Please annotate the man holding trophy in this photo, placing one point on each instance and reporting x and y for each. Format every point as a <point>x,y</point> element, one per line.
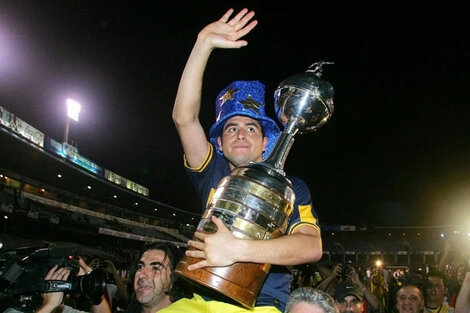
<point>242,134</point>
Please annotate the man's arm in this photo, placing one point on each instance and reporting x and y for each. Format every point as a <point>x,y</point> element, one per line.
<point>223,33</point>
<point>334,275</point>
<point>445,257</point>
<point>372,299</point>
<point>103,306</point>
<point>462,304</point>
<point>304,245</point>
<point>121,288</point>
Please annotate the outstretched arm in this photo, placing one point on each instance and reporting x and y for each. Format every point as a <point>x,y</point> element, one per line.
<point>334,275</point>
<point>372,299</point>
<point>462,304</point>
<point>445,257</point>
<point>224,33</point>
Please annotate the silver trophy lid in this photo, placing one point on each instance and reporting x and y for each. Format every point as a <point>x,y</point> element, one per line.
<point>304,102</point>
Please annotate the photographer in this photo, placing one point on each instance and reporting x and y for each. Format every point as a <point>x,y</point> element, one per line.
<point>373,304</point>
<point>116,291</point>
<point>454,263</point>
<point>330,282</point>
<point>347,273</point>
<point>52,302</point>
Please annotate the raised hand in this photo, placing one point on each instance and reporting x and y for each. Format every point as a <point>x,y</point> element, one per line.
<point>354,277</point>
<point>226,32</point>
<point>52,300</point>
<point>337,270</point>
<point>84,268</point>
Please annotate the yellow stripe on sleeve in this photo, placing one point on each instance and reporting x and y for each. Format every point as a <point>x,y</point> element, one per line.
<point>298,224</point>
<point>204,163</point>
<point>306,218</point>
<point>306,214</point>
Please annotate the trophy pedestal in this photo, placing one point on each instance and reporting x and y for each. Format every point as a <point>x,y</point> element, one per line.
<point>239,281</point>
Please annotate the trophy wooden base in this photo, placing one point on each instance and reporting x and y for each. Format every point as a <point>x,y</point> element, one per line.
<point>239,281</point>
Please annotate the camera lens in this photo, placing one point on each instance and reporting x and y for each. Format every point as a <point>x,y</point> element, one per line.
<point>92,285</point>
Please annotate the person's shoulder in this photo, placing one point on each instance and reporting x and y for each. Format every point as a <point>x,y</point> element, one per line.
<point>301,190</point>
<point>448,309</point>
<point>296,181</point>
<point>213,162</point>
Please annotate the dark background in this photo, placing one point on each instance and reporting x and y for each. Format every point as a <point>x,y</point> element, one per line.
<point>394,153</point>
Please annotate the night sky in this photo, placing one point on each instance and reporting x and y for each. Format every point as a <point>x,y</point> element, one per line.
<point>396,151</point>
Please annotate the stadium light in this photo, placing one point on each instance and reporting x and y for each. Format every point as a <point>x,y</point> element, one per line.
<point>73,111</point>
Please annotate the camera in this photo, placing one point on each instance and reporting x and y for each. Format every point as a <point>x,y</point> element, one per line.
<point>22,273</point>
<point>98,263</point>
<point>346,269</point>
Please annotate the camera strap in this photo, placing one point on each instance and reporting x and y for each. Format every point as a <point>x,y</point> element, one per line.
<point>48,286</point>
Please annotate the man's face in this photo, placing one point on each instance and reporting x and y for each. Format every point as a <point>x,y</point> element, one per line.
<point>152,278</point>
<point>436,293</point>
<point>350,304</point>
<point>410,300</point>
<point>242,141</point>
<point>303,307</point>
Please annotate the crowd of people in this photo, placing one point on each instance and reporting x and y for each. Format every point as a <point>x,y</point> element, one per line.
<point>243,133</point>
<point>153,286</point>
<point>381,290</point>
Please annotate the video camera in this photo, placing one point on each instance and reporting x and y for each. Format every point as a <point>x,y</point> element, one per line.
<point>22,277</point>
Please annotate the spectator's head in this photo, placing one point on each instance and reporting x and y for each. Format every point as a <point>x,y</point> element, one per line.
<point>154,276</point>
<point>309,300</point>
<point>436,288</point>
<point>410,299</point>
<point>349,297</point>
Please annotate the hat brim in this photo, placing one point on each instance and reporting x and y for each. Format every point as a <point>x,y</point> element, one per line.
<point>341,296</point>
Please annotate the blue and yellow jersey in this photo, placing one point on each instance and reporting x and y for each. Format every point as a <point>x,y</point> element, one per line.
<point>206,178</point>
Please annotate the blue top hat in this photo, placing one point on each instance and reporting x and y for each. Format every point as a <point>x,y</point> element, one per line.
<point>244,98</point>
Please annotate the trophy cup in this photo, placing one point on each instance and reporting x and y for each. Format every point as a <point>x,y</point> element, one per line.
<point>255,200</point>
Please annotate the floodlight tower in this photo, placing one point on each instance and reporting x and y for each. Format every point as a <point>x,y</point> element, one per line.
<point>73,111</point>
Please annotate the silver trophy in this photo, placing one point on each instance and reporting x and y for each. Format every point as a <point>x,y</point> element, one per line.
<point>256,199</point>
<point>303,103</point>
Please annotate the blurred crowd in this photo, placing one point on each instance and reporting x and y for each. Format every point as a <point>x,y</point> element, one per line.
<point>442,288</point>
